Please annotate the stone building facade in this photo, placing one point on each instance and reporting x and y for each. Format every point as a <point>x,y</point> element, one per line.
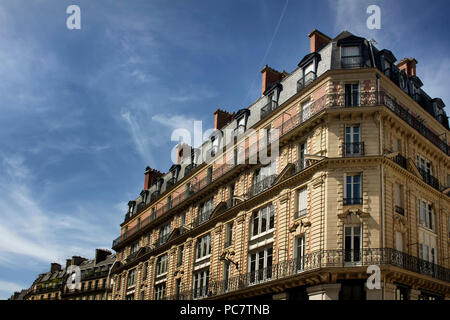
<point>361,179</point>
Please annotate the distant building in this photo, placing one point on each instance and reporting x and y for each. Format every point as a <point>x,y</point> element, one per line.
<point>362,178</point>
<point>19,295</point>
<point>93,283</point>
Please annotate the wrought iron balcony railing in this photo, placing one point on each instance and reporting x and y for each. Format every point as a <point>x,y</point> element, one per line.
<point>315,261</point>
<point>268,108</point>
<point>306,80</point>
<point>353,149</point>
<point>352,201</point>
<point>351,62</point>
<point>260,186</point>
<point>429,179</point>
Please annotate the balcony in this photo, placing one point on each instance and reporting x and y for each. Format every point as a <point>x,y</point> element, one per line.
<point>268,108</point>
<point>429,179</point>
<point>189,168</point>
<point>400,210</point>
<point>314,262</point>
<point>353,149</point>
<point>171,182</point>
<point>352,201</point>
<point>351,62</point>
<point>306,80</point>
<point>260,186</point>
<point>154,196</point>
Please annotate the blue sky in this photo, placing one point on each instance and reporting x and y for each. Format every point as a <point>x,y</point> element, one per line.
<point>83,112</point>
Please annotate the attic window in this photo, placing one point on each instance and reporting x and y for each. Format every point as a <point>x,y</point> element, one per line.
<point>350,57</point>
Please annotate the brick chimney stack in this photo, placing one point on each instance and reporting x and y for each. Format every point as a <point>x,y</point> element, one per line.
<point>317,40</point>
<point>55,267</point>
<point>409,65</point>
<point>101,255</point>
<point>151,175</point>
<point>68,263</point>
<point>269,77</point>
<point>221,118</point>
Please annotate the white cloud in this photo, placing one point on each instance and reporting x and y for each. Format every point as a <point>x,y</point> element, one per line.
<point>7,288</point>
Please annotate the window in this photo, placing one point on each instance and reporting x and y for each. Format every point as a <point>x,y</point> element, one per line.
<point>204,211</point>
<point>352,243</point>
<point>260,265</point>
<point>134,248</point>
<point>352,95</point>
<point>306,111</point>
<point>209,174</point>
<point>161,265</point>
<point>169,202</point>
<point>160,291</point>
<point>399,241</point>
<point>424,165</point>
<point>183,219</point>
<point>164,233</point>
<point>302,202</point>
<point>203,248</point>
<point>228,234</point>
<point>130,297</point>
<point>142,295</point>
<point>231,191</point>
<point>180,256</point>
<point>427,247</point>
<point>352,141</point>
<point>300,252</point>
<point>119,281</point>
<point>353,189</point>
<point>226,274</point>
<point>426,214</point>
<point>351,57</point>
<point>301,162</point>
<point>214,145</point>
<point>398,199</point>
<point>145,271</point>
<point>263,220</point>
<point>177,288</point>
<point>131,278</point>
<point>200,285</point>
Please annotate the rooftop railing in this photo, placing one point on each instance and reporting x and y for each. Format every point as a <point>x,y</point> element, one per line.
<point>268,108</point>
<point>306,80</point>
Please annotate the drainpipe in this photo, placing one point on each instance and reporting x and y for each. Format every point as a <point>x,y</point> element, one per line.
<point>382,189</point>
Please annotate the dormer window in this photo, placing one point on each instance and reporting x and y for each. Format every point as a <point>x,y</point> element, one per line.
<point>131,206</point>
<point>351,57</point>
<point>214,145</point>
<point>241,121</point>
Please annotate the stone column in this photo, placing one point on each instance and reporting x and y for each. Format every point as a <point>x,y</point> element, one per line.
<point>328,291</point>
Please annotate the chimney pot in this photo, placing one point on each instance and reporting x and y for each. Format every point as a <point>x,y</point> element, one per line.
<point>269,77</point>
<point>409,65</point>
<point>221,118</point>
<point>317,40</point>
